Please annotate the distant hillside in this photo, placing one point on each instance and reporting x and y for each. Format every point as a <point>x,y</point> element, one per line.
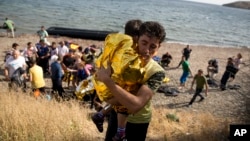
<point>239,4</point>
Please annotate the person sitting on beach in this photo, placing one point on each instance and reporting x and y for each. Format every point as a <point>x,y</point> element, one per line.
<point>9,26</point>
<point>212,68</point>
<point>43,35</point>
<point>166,59</point>
<point>200,80</point>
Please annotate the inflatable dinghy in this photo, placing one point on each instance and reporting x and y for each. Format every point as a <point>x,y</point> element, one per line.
<point>79,33</point>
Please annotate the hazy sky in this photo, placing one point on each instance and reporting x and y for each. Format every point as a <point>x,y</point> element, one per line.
<point>218,2</point>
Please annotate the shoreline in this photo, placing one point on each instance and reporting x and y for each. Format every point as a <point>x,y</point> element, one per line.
<point>208,45</point>
<point>167,40</point>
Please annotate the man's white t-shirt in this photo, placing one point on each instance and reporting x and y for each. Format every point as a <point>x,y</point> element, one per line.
<point>63,51</point>
<point>13,64</point>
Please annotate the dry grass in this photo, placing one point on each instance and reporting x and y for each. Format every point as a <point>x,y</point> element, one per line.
<point>193,126</point>
<point>24,118</point>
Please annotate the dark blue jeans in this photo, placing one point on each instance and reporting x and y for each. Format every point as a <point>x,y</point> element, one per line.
<point>57,86</point>
<point>112,126</point>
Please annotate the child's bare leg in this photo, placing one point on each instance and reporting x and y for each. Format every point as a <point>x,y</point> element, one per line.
<point>122,121</point>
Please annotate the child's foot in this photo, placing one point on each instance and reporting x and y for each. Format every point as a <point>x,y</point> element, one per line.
<point>118,138</point>
<point>98,120</point>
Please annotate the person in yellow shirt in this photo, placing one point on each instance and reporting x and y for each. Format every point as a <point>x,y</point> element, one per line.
<point>36,77</point>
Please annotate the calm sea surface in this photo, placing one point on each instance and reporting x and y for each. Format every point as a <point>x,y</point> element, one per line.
<point>185,22</point>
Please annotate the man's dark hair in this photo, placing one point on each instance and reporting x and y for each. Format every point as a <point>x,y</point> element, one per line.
<point>132,27</point>
<point>53,43</point>
<point>153,29</point>
<point>14,45</point>
<point>29,43</point>
<point>80,48</point>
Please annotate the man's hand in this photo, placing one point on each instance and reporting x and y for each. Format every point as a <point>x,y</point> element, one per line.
<point>103,74</point>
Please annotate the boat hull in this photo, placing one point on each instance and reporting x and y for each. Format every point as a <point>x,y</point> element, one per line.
<point>79,33</point>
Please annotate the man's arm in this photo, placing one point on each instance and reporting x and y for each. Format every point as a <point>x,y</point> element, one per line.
<point>206,85</point>
<point>133,103</point>
<point>6,73</point>
<point>46,34</point>
<point>192,83</point>
<point>190,71</point>
<point>30,77</point>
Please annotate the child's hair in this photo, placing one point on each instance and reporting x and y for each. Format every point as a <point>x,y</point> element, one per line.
<point>153,29</point>
<point>132,27</point>
<point>32,60</point>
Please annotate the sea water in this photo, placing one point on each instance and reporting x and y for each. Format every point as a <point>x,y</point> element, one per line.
<point>185,22</point>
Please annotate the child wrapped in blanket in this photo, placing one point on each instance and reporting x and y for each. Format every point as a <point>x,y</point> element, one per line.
<point>120,51</point>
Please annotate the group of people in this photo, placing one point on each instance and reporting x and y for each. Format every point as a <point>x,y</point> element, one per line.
<point>56,61</point>
<point>200,79</point>
<point>143,39</point>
